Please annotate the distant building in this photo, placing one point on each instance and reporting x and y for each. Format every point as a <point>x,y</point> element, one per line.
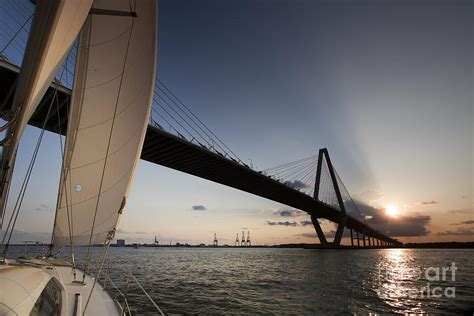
<point>120,242</point>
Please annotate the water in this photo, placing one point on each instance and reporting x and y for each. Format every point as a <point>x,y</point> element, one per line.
<point>296,281</point>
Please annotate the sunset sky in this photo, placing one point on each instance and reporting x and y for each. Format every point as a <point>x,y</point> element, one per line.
<point>386,86</point>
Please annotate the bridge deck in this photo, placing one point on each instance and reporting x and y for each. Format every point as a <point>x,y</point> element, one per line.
<point>171,151</point>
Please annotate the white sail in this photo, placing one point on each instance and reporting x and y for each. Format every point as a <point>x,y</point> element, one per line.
<point>110,106</point>
<point>55,26</point>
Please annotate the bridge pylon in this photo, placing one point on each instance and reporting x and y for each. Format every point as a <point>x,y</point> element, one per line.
<point>323,158</point>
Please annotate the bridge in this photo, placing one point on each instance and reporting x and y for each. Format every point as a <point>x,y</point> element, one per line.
<point>193,157</point>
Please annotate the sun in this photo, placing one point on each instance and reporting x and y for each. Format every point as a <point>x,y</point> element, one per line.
<point>391,210</point>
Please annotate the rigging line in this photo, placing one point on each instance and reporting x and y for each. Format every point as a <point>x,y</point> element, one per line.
<point>28,174</point>
<point>26,180</point>
<point>109,237</point>
<point>108,144</point>
<point>149,297</point>
<point>210,131</point>
<point>63,184</point>
<point>15,148</point>
<point>106,247</point>
<point>187,115</point>
<point>186,121</point>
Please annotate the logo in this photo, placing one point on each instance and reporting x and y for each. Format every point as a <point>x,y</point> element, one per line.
<point>430,282</point>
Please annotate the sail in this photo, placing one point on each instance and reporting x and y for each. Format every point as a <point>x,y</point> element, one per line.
<point>55,26</point>
<point>110,107</point>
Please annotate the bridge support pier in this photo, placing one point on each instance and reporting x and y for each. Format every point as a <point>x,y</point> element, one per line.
<point>352,239</point>
<point>363,239</point>
<point>358,241</point>
<point>319,230</point>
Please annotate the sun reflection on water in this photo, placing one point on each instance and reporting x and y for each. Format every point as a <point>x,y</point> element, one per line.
<point>397,277</point>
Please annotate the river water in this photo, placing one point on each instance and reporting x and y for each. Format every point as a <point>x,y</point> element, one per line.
<point>297,281</point>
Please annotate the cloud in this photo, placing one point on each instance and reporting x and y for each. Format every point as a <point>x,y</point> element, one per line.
<point>458,232</point>
<point>464,223</point>
<point>287,223</point>
<point>296,184</point>
<point>306,223</point>
<point>462,211</point>
<point>426,202</point>
<point>199,208</point>
<point>289,213</point>
<point>408,225</point>
<point>369,196</point>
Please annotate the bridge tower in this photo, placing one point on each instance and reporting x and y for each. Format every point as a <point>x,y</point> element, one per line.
<point>237,240</point>
<point>324,157</point>
<point>243,239</point>
<point>215,244</point>
<point>249,243</point>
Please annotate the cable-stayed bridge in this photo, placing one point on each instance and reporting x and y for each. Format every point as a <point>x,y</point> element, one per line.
<point>311,184</point>
<point>178,139</point>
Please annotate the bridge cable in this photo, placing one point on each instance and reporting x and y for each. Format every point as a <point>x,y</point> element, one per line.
<point>169,106</point>
<point>210,131</point>
<point>19,30</point>
<point>197,125</point>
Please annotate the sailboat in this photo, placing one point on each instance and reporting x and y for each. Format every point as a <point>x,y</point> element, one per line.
<point>108,115</point>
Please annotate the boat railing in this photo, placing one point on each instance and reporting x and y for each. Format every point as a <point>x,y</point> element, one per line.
<point>121,296</point>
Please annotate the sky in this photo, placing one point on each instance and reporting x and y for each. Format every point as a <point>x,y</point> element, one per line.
<point>385,85</point>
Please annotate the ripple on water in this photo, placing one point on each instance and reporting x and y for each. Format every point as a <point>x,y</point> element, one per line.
<point>290,281</point>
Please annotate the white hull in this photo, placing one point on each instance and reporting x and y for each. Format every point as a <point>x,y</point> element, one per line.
<point>23,282</point>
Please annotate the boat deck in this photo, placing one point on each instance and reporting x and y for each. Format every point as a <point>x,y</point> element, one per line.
<point>101,303</point>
